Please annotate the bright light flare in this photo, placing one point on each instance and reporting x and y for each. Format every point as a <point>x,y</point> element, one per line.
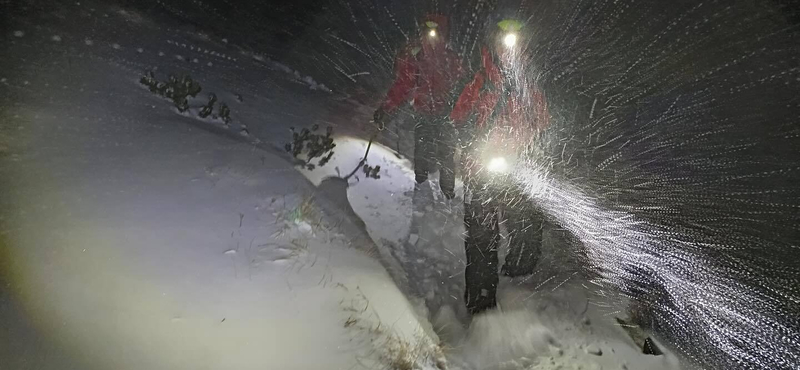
<point>497,165</point>
<point>432,33</point>
<point>691,295</point>
<point>510,40</point>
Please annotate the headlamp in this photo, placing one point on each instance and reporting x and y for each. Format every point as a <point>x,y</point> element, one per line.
<point>510,40</point>
<point>431,25</point>
<point>511,27</point>
<point>497,165</point>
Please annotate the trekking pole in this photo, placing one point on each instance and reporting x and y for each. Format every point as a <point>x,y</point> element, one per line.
<point>364,160</point>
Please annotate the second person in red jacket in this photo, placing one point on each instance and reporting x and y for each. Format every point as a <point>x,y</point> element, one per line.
<point>501,112</point>
<point>426,75</point>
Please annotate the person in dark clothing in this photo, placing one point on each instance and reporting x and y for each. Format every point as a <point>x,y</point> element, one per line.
<point>426,74</point>
<point>498,113</point>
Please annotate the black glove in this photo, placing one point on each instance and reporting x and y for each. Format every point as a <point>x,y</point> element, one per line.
<point>379,118</point>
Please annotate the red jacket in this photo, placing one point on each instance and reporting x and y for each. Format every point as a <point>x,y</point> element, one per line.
<point>523,110</point>
<point>427,77</point>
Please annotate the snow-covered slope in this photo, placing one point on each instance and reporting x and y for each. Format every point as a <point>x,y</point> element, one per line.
<point>547,321</point>
<point>174,248</point>
<point>139,238</point>
<point>135,240</point>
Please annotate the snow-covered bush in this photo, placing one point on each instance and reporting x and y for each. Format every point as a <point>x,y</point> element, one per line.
<point>176,89</point>
<point>179,90</point>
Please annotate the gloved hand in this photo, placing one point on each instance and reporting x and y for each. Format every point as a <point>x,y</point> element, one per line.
<point>380,119</point>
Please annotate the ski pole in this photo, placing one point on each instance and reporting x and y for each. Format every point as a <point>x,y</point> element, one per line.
<point>363,160</point>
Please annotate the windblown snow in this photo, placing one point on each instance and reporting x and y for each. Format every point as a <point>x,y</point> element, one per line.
<point>134,236</point>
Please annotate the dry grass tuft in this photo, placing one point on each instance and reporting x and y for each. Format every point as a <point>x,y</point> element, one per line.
<point>394,351</point>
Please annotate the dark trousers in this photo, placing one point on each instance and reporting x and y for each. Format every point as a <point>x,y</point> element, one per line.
<point>482,218</point>
<point>434,147</point>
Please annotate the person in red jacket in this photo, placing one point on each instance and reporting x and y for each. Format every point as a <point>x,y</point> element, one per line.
<point>501,113</point>
<point>426,74</point>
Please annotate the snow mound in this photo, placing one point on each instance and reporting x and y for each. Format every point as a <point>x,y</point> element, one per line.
<point>181,250</point>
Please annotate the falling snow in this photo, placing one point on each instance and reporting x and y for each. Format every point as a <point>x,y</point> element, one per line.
<point>671,164</point>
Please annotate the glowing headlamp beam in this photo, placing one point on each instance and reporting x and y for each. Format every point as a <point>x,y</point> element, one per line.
<point>510,40</point>
<point>497,165</point>
<point>432,33</point>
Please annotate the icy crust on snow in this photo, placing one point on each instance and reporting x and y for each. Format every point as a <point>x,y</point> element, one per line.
<point>383,203</point>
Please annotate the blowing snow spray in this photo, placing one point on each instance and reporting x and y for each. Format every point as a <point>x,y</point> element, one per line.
<point>699,305</point>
